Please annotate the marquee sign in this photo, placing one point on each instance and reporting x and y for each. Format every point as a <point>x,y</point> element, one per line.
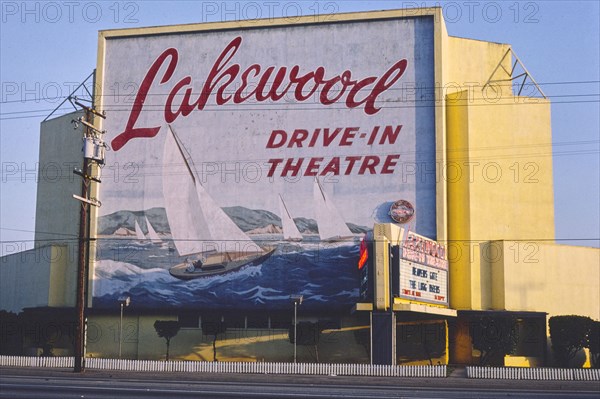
<point>423,270</point>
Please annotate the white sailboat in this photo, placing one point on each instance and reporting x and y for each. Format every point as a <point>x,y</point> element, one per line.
<point>139,234</point>
<point>152,235</point>
<point>330,222</point>
<point>200,229</point>
<point>290,230</point>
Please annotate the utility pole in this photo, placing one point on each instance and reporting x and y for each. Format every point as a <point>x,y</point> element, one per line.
<point>93,154</point>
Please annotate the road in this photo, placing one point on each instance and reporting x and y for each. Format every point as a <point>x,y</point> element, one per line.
<point>15,385</point>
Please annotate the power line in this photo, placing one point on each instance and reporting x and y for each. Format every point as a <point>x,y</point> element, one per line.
<point>145,170</point>
<point>271,82</point>
<point>328,108</point>
<point>127,108</point>
<point>39,232</point>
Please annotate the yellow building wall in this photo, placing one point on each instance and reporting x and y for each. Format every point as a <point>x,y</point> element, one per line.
<point>459,225</point>
<point>467,66</point>
<point>499,185</point>
<point>470,63</point>
<point>501,202</point>
<point>546,277</point>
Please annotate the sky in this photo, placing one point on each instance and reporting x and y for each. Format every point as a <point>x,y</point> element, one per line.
<point>48,47</point>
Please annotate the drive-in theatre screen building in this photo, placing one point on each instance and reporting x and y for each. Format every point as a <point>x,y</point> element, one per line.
<point>363,179</point>
<point>250,162</point>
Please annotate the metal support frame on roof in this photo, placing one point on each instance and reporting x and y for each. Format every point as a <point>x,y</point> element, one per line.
<point>71,98</point>
<point>510,74</point>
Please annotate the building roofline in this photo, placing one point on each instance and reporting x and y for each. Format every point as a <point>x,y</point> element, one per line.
<point>479,40</point>
<point>274,22</point>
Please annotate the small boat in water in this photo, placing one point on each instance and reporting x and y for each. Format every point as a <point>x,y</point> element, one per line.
<point>152,234</point>
<point>139,234</point>
<point>218,263</point>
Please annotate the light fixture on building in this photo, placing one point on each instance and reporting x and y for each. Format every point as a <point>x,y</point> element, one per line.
<point>297,299</point>
<point>123,301</point>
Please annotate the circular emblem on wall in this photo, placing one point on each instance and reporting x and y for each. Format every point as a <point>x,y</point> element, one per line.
<point>402,211</point>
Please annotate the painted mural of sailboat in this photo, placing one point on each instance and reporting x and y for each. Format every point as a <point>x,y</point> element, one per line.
<point>330,222</point>
<point>139,234</point>
<point>152,235</point>
<point>200,229</point>
<point>290,230</point>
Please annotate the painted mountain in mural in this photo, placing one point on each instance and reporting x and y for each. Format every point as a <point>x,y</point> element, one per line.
<point>248,220</point>
<point>118,223</point>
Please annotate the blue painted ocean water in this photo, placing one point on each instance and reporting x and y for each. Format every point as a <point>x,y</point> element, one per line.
<point>324,273</point>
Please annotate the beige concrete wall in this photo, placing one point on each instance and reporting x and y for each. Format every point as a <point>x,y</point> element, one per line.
<point>25,279</point>
<point>57,212</point>
<point>47,275</point>
<point>59,265</point>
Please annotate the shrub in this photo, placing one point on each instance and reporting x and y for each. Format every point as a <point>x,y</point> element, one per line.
<point>11,331</point>
<point>569,334</point>
<point>167,329</point>
<point>495,337</point>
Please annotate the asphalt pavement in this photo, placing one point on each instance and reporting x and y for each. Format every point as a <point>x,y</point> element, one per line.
<point>457,379</point>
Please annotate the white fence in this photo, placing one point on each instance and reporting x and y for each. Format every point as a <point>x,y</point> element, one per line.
<point>230,367</point>
<point>524,373</point>
<point>511,373</point>
<point>29,361</point>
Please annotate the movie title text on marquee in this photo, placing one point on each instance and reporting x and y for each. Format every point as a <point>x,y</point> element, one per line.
<point>423,283</point>
<point>423,270</point>
<point>422,250</point>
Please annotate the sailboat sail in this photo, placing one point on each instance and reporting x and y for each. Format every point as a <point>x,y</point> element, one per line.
<point>139,234</point>
<point>151,232</point>
<point>330,222</point>
<point>196,221</point>
<point>290,230</point>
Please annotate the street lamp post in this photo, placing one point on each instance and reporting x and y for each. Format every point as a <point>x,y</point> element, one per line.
<point>123,301</point>
<point>297,301</point>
